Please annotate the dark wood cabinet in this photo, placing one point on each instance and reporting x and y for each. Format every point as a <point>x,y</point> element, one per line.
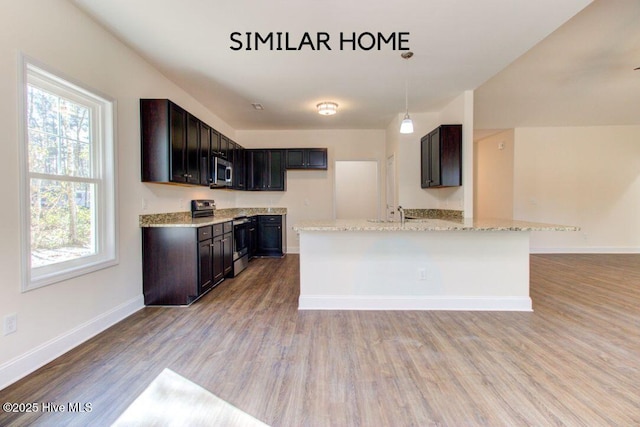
<point>266,170</point>
<point>222,250</point>
<point>180,264</point>
<point>169,148</point>
<point>204,154</point>
<point>306,158</point>
<point>253,236</point>
<point>225,146</point>
<point>441,157</point>
<point>270,235</point>
<point>239,170</point>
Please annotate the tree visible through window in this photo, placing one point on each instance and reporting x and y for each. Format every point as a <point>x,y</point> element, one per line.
<point>69,177</point>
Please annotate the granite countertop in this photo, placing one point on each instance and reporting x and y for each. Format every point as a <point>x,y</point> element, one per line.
<point>428,224</point>
<point>183,219</point>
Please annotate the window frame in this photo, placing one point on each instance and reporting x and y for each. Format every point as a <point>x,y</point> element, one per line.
<point>103,176</point>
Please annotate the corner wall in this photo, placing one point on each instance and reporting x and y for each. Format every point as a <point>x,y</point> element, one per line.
<point>54,319</point>
<point>406,149</point>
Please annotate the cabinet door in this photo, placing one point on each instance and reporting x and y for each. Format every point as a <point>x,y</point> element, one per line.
<point>205,270</point>
<point>434,159</point>
<point>253,237</point>
<point>218,259</point>
<point>276,170</point>
<point>227,253</point>
<point>257,171</point>
<point>295,159</point>
<point>239,170</point>
<point>215,142</point>
<point>177,134</point>
<point>317,158</point>
<point>424,162</point>
<point>270,235</point>
<point>205,154</point>
<point>224,147</point>
<point>192,149</point>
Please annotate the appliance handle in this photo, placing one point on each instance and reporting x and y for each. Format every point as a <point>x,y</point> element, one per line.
<point>229,174</point>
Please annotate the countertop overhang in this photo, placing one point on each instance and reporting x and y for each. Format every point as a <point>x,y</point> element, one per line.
<point>423,224</point>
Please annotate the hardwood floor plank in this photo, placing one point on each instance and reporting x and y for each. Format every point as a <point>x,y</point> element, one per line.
<point>574,361</point>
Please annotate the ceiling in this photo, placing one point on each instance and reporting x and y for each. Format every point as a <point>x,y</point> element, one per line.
<point>458,45</point>
<point>582,74</point>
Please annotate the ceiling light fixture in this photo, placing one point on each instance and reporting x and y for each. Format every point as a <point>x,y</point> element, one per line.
<point>407,123</point>
<point>327,108</point>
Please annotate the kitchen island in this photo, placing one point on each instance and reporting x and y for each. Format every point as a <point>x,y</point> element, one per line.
<point>423,264</point>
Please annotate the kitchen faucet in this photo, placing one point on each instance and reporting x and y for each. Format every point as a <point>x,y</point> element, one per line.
<point>401,210</point>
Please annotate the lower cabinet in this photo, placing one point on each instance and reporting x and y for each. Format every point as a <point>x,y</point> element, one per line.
<point>179,264</point>
<point>253,236</point>
<point>271,235</point>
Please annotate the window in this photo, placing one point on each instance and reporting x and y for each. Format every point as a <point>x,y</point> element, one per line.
<point>68,179</point>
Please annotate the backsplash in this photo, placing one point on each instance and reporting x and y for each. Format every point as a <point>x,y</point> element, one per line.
<point>434,213</point>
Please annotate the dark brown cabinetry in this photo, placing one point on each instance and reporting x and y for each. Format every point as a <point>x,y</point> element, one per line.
<point>239,170</point>
<point>441,157</point>
<point>179,264</point>
<point>266,170</point>
<point>253,236</point>
<point>169,143</point>
<point>270,235</point>
<point>306,158</point>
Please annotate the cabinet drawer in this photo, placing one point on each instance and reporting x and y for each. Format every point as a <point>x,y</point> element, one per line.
<point>218,229</point>
<point>228,227</point>
<point>204,233</point>
<point>270,218</point>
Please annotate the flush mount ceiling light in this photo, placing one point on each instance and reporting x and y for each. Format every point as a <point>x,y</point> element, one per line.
<point>407,124</point>
<point>327,108</point>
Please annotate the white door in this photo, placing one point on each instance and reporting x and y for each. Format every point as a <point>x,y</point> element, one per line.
<point>357,189</point>
<point>391,187</point>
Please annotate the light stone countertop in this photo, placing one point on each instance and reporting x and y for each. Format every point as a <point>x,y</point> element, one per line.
<point>429,225</point>
<point>183,219</point>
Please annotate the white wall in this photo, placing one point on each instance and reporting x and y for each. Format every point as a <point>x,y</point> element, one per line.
<point>493,171</point>
<point>584,176</point>
<point>55,318</point>
<point>406,148</point>
<point>310,194</point>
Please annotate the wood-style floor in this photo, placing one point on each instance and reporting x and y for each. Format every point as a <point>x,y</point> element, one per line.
<point>574,361</point>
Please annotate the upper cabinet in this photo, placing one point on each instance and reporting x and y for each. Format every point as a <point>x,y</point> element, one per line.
<point>167,153</point>
<point>177,148</point>
<point>266,170</point>
<point>238,159</point>
<point>170,139</point>
<point>306,158</point>
<point>441,157</point>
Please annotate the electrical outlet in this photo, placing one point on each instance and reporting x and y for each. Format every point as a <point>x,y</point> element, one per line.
<point>422,274</point>
<point>145,204</point>
<point>10,324</point>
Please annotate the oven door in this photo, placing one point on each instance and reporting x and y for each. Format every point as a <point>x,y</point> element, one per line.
<point>240,239</point>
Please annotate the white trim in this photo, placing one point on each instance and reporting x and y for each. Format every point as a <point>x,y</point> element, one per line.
<point>103,177</point>
<point>21,366</point>
<point>353,302</point>
<point>293,249</point>
<point>587,250</point>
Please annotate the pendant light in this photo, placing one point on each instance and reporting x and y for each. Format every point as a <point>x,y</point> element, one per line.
<point>407,123</point>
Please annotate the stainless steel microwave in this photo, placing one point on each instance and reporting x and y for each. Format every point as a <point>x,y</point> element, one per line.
<point>221,173</point>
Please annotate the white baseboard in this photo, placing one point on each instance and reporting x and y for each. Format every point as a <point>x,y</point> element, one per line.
<point>586,250</point>
<point>348,302</point>
<point>21,366</point>
<point>293,249</point>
